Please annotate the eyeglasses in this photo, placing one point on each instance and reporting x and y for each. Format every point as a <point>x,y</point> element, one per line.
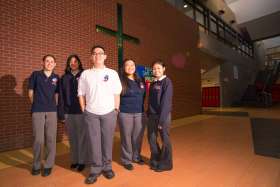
<point>98,54</point>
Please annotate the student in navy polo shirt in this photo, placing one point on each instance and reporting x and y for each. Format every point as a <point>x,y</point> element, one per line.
<point>159,114</point>
<point>43,94</point>
<point>130,116</point>
<point>70,111</point>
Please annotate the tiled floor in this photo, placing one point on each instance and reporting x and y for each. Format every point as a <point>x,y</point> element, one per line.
<point>209,150</point>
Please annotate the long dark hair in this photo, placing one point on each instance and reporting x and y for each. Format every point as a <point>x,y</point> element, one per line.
<point>68,68</point>
<point>124,78</point>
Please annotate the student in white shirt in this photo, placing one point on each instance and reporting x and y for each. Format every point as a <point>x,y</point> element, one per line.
<point>99,96</point>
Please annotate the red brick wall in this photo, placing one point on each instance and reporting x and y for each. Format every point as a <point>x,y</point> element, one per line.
<point>33,28</point>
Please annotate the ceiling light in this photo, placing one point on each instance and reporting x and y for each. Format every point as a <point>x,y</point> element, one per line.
<point>185,6</point>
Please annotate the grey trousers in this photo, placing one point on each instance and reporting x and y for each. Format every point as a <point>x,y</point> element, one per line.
<point>76,133</point>
<point>132,131</point>
<point>100,134</point>
<point>44,129</point>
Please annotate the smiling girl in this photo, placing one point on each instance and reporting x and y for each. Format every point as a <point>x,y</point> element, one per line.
<point>159,114</point>
<point>131,113</point>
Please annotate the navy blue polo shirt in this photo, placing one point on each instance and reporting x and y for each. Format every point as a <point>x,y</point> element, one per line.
<point>133,100</point>
<point>44,90</point>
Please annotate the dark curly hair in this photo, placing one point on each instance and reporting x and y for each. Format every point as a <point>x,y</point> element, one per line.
<point>68,68</point>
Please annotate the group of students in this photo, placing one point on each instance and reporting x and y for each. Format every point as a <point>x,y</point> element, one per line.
<point>89,102</point>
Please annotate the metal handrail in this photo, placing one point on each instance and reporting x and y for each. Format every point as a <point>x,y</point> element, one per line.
<point>223,30</point>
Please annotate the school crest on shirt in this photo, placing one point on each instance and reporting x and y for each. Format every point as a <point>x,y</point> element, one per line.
<point>54,81</point>
<point>157,87</point>
<point>106,78</point>
<point>142,85</point>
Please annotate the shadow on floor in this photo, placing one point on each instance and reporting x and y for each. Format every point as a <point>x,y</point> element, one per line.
<point>18,159</point>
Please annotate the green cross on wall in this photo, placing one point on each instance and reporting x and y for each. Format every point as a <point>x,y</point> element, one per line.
<point>118,34</point>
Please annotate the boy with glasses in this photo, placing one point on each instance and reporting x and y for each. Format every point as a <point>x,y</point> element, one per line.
<point>99,96</point>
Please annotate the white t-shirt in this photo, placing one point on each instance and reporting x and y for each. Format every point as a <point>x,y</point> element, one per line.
<point>99,87</point>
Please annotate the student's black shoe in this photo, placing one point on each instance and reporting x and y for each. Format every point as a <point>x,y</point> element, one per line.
<point>153,166</point>
<point>161,169</point>
<point>140,161</point>
<point>92,178</point>
<point>109,174</point>
<point>128,166</point>
<point>81,167</point>
<point>47,172</point>
<point>74,166</point>
<point>35,171</point>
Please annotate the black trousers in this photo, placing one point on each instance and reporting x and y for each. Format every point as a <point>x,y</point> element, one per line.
<point>161,155</point>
